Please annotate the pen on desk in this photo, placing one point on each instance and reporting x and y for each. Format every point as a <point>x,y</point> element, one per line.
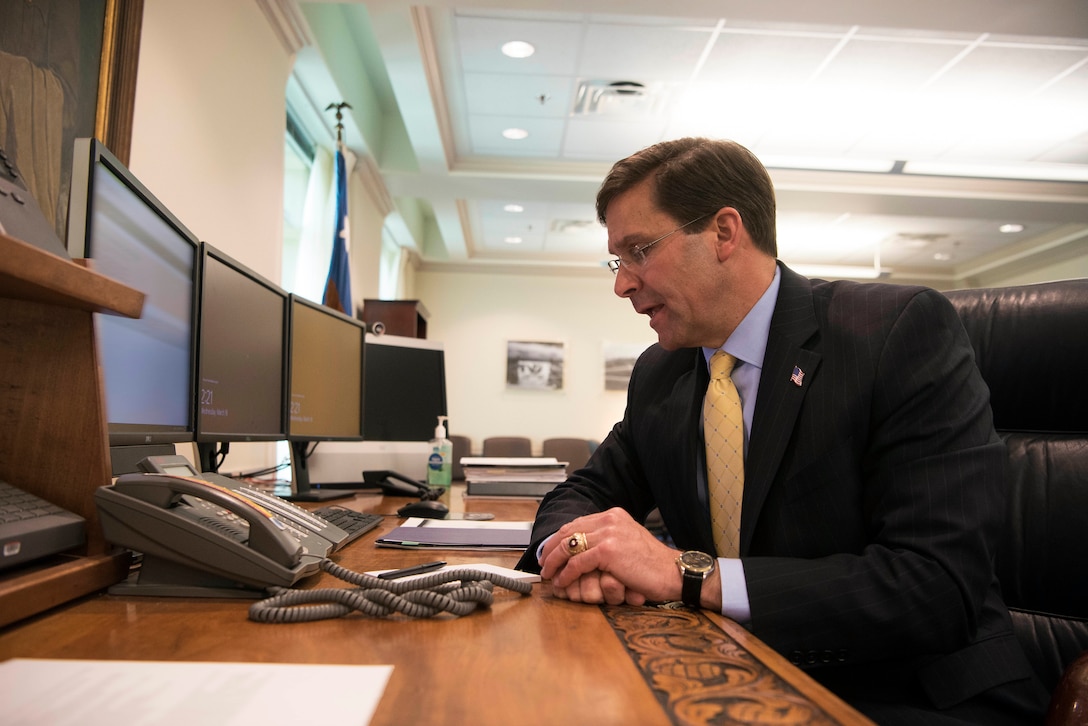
<point>413,570</point>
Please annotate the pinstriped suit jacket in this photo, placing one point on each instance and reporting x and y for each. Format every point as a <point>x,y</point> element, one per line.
<point>872,495</point>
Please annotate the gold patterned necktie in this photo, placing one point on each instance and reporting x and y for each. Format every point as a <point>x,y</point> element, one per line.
<point>723,434</point>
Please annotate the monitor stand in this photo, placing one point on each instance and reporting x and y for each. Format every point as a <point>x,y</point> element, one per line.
<point>300,490</point>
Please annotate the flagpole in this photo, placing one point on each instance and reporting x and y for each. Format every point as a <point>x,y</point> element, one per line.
<point>338,283</point>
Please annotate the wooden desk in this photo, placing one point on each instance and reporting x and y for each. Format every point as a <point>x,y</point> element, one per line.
<point>526,660</point>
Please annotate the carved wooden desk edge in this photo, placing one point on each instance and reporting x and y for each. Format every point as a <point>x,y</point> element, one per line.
<point>705,669</point>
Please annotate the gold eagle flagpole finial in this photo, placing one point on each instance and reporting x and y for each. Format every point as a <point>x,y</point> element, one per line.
<point>339,118</point>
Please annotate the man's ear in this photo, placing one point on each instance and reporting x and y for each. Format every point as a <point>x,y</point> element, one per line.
<point>729,228</point>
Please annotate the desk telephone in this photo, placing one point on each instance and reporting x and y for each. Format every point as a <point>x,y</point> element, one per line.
<point>20,215</point>
<point>206,534</point>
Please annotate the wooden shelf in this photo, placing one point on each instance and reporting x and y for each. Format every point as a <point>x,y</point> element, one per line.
<point>30,274</point>
<point>53,438</point>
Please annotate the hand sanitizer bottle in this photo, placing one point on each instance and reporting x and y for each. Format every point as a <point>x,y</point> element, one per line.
<point>440,460</point>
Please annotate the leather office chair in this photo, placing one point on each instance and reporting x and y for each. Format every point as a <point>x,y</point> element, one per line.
<point>462,446</point>
<point>508,446</point>
<point>575,452</point>
<point>1031,345</point>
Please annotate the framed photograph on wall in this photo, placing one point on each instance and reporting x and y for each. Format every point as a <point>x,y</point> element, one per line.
<point>619,360</point>
<point>535,365</point>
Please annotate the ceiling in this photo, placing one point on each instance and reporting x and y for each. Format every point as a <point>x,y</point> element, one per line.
<point>900,137</point>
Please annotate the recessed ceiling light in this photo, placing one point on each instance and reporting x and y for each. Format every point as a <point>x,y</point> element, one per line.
<point>515,134</point>
<point>942,256</point>
<point>513,208</point>
<point>512,240</point>
<point>518,49</point>
<point>1011,228</point>
<point>1028,170</point>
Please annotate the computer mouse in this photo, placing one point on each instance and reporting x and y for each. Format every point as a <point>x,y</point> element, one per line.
<point>424,508</point>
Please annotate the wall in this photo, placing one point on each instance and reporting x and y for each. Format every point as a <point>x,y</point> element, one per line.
<point>1066,270</point>
<point>208,134</point>
<point>474,315</point>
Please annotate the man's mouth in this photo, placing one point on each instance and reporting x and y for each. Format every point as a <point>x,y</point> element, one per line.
<point>650,311</point>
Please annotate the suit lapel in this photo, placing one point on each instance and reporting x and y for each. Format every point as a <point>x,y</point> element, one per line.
<point>780,393</point>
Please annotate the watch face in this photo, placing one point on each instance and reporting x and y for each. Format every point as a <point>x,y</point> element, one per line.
<point>697,561</point>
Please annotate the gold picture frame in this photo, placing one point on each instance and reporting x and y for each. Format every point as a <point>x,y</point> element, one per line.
<point>117,75</point>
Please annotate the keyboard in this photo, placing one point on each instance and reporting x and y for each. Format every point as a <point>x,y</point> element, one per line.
<point>356,524</point>
<point>31,527</point>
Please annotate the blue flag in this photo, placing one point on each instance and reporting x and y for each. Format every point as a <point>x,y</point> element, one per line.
<point>338,283</point>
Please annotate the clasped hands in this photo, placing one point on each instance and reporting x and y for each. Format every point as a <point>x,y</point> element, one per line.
<point>624,562</point>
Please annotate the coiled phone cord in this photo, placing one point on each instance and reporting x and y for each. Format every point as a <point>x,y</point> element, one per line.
<point>457,592</point>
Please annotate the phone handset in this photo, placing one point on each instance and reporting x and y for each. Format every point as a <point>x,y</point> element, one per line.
<point>318,537</point>
<point>393,483</point>
<point>267,534</point>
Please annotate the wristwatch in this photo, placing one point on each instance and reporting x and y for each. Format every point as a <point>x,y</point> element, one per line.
<point>694,568</point>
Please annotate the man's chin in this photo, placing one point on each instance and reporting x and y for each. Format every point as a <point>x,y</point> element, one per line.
<point>667,338</point>
<point>667,341</point>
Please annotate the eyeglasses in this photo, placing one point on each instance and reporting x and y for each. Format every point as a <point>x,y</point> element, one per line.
<point>638,254</point>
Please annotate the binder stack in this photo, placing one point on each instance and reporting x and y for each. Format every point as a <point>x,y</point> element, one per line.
<point>522,477</point>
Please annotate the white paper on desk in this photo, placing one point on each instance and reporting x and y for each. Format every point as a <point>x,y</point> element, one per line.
<point>40,692</point>
<point>458,534</point>
<point>509,461</point>
<point>479,567</point>
<point>465,523</point>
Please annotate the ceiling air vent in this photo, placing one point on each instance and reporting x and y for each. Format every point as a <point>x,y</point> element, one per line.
<point>617,97</point>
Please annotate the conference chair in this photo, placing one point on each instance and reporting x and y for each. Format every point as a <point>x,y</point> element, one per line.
<point>1031,345</point>
<point>508,446</point>
<point>575,452</point>
<point>462,446</point>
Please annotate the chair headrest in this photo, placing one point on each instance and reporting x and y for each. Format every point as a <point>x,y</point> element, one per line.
<point>1031,345</point>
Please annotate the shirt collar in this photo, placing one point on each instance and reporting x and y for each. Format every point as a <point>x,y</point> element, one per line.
<point>748,343</point>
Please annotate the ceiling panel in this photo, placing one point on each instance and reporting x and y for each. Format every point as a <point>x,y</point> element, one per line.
<point>870,88</point>
<point>531,96</point>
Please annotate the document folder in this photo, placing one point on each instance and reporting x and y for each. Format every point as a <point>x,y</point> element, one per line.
<point>420,533</point>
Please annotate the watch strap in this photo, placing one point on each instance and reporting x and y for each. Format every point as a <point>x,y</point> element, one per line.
<point>692,588</point>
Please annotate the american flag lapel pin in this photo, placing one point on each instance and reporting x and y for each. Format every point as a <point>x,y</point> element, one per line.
<point>797,376</point>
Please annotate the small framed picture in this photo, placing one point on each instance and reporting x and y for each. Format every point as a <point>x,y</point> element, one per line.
<point>535,365</point>
<point>619,360</point>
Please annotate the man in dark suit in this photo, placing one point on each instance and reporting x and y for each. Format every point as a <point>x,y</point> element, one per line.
<point>873,480</point>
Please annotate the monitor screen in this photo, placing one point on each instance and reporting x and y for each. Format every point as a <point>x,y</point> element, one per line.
<point>326,391</point>
<point>404,388</point>
<point>147,363</point>
<point>240,353</point>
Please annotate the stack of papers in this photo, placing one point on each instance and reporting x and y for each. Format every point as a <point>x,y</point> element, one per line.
<point>532,476</point>
<point>108,692</point>
<point>458,534</point>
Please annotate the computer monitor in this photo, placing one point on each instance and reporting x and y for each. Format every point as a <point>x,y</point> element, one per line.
<point>241,357</point>
<point>325,394</point>
<point>404,388</point>
<point>147,363</point>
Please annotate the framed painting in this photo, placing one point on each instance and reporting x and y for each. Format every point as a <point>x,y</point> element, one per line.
<point>67,70</point>
<point>619,360</point>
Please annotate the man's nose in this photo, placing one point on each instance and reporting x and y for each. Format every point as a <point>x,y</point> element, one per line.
<point>627,282</point>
